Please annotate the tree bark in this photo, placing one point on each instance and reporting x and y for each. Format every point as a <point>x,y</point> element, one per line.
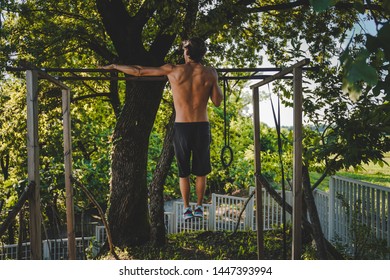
<point>157,187</point>
<point>318,235</point>
<point>128,213</point>
<point>114,95</point>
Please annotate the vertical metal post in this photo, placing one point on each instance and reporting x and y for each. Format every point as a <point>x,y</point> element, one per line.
<point>33,164</point>
<point>297,169</point>
<point>259,198</point>
<point>68,174</point>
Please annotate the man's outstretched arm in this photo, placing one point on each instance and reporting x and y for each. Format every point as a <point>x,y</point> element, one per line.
<point>136,70</point>
<point>216,95</point>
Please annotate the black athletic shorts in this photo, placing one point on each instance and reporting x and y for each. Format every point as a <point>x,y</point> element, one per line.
<point>192,141</point>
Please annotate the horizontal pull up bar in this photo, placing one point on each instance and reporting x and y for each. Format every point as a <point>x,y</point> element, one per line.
<point>98,70</point>
<point>43,74</point>
<point>162,78</point>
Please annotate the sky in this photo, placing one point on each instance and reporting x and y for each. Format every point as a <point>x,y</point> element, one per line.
<point>266,114</point>
<point>286,114</point>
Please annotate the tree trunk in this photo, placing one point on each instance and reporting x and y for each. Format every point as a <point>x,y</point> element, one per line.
<point>318,236</point>
<point>128,211</point>
<point>157,187</point>
<point>307,227</point>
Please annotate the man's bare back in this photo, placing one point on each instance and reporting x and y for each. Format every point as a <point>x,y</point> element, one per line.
<point>192,85</point>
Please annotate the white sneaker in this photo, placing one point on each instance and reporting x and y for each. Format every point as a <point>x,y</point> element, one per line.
<point>198,212</point>
<point>187,213</point>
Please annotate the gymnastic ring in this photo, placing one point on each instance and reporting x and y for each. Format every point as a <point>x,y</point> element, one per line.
<point>224,163</point>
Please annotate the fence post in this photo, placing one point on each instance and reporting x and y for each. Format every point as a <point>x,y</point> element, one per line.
<point>331,208</point>
<point>212,210</point>
<point>170,222</point>
<point>175,217</point>
<point>46,250</point>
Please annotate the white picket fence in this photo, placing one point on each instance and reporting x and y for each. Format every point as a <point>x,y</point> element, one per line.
<point>223,214</point>
<point>347,201</point>
<point>53,249</point>
<point>354,201</point>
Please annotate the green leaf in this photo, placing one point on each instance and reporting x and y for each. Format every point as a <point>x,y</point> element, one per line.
<point>384,39</point>
<point>384,33</point>
<point>360,70</point>
<point>344,56</point>
<point>321,5</point>
<point>386,5</point>
<point>372,43</point>
<point>359,6</point>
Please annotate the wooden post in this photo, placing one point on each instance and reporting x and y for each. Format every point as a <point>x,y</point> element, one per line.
<point>259,198</point>
<point>33,164</point>
<point>68,174</point>
<point>297,169</point>
<point>297,172</point>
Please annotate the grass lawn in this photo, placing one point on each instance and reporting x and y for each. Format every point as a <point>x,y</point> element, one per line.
<point>371,173</point>
<point>218,245</point>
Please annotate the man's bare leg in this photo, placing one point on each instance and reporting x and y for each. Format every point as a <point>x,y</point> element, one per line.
<point>185,190</point>
<point>200,189</point>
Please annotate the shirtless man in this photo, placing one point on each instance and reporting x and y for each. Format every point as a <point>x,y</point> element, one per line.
<point>192,85</point>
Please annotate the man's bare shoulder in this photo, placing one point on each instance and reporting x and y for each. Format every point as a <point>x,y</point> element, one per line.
<point>210,68</point>
<point>168,66</point>
<point>211,71</point>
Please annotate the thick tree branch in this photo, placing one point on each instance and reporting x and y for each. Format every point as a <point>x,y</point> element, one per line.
<point>114,17</point>
<point>101,213</point>
<point>351,5</point>
<point>305,3</point>
<point>12,214</point>
<point>242,211</point>
<point>163,41</point>
<point>146,11</point>
<point>90,96</point>
<point>280,7</point>
<point>125,32</point>
<point>190,18</point>
<point>101,50</point>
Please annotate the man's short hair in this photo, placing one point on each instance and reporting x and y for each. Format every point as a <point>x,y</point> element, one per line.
<point>196,48</point>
